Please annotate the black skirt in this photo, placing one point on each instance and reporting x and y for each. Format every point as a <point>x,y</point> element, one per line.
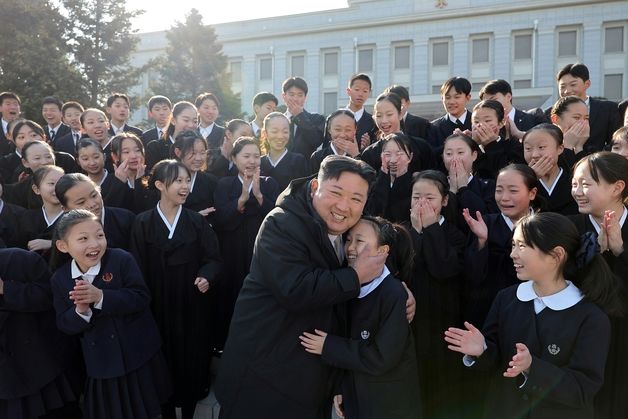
<point>65,389</point>
<point>137,395</point>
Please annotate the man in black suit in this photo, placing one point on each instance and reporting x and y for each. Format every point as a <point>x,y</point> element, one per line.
<point>455,94</point>
<point>359,90</point>
<point>604,119</point>
<point>307,130</point>
<point>208,111</point>
<point>72,118</point>
<point>159,110</point>
<point>10,109</point>
<point>413,126</point>
<point>118,109</point>
<point>52,114</point>
<point>517,121</point>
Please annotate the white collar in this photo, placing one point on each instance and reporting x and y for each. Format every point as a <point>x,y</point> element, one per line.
<point>171,227</point>
<point>553,185</point>
<point>357,115</point>
<point>562,300</point>
<point>462,118</point>
<point>4,125</point>
<point>51,222</point>
<point>116,129</point>
<point>511,114</point>
<point>333,148</point>
<point>88,276</point>
<point>206,131</point>
<point>1,205</point>
<point>192,180</point>
<point>509,222</point>
<point>371,286</point>
<point>102,217</point>
<point>255,127</point>
<point>588,102</point>
<point>171,139</point>
<point>108,142</point>
<point>104,177</point>
<point>18,153</point>
<point>55,129</point>
<point>242,181</point>
<point>275,163</point>
<point>441,220</point>
<point>622,220</point>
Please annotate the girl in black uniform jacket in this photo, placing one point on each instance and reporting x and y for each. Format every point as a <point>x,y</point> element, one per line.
<point>380,380</point>
<point>37,362</point>
<point>77,191</point>
<point>340,138</point>
<point>219,161</point>
<point>437,283</point>
<point>279,163</point>
<point>599,186</point>
<point>546,339</point>
<point>35,154</point>
<point>542,146</point>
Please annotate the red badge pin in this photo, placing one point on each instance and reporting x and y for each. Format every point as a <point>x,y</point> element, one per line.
<point>107,276</point>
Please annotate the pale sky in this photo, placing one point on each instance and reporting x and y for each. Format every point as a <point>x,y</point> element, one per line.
<point>159,16</point>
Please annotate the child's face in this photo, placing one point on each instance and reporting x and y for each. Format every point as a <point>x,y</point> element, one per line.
<point>51,113</point>
<point>91,160</point>
<point>119,110</point>
<point>428,191</point>
<point>277,133</point>
<point>504,99</point>
<point>620,146</point>
<point>486,118</point>
<point>541,144</point>
<point>295,95</point>
<point>72,117</point>
<point>24,135</point>
<point>10,109</point>
<point>458,149</point>
<point>96,126</point>
<point>178,191</point>
<point>530,263</point>
<point>243,130</point>
<point>160,113</point>
<point>395,158</point>
<point>195,159</point>
<point>186,120</point>
<point>131,153</point>
<point>569,85</point>
<point>264,109</point>
<point>247,160</point>
<point>512,195</point>
<point>85,196</point>
<point>46,188</point>
<point>342,127</point>
<point>592,197</point>
<point>359,92</point>
<point>359,237</point>
<point>208,112</point>
<point>387,117</point>
<point>575,112</point>
<point>38,155</point>
<point>85,242</point>
<point>455,103</point>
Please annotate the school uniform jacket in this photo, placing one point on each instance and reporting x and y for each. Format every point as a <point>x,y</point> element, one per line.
<point>568,349</point>
<point>149,135</point>
<point>291,166</point>
<point>422,156</point>
<point>126,128</point>
<point>9,227</point>
<point>415,126</point>
<point>66,144</point>
<point>122,336</point>
<point>442,128</point>
<point>497,155</point>
<point>390,202</point>
<point>525,121</point>
<point>310,131</point>
<point>116,193</point>
<point>318,156</point>
<point>117,225</point>
<point>61,130</point>
<point>6,146</point>
<point>365,125</point>
<point>294,283</point>
<point>215,138</point>
<point>604,120</point>
<point>381,379</point>
<point>32,351</point>
<point>9,165</point>
<point>560,200</point>
<point>156,151</point>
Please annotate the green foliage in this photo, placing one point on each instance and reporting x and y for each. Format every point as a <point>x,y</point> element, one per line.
<point>193,64</point>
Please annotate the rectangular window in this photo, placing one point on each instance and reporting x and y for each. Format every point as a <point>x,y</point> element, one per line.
<point>613,86</point>
<point>614,39</point>
<point>440,53</point>
<point>436,89</point>
<point>235,69</point>
<point>402,57</point>
<point>330,102</point>
<point>522,84</point>
<point>365,60</point>
<point>480,50</point>
<point>523,47</point>
<point>265,68</point>
<point>297,66</point>
<point>568,43</point>
<point>330,66</point>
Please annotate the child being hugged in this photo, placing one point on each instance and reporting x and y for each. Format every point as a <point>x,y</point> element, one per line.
<point>380,380</point>
<point>101,296</point>
<point>545,339</point>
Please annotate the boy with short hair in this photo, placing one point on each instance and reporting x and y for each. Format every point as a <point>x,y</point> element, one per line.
<point>455,95</point>
<point>10,109</point>
<point>52,114</point>
<point>359,90</point>
<point>208,107</point>
<point>307,130</point>
<point>263,104</point>
<point>118,108</point>
<point>159,110</point>
<point>71,112</point>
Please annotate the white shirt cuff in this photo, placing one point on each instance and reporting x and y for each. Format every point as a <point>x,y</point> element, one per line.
<point>87,317</point>
<point>98,304</point>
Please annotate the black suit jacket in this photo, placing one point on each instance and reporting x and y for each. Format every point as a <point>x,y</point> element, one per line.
<point>6,146</point>
<point>366,125</point>
<point>61,130</point>
<point>524,121</point>
<point>310,132</point>
<point>66,144</point>
<point>604,120</point>
<point>149,135</point>
<point>415,126</point>
<point>442,128</point>
<point>127,128</point>
<point>215,138</point>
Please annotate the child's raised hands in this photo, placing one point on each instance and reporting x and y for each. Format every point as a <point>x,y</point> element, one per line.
<point>313,342</point>
<point>521,362</point>
<point>202,284</point>
<point>85,293</point>
<point>469,342</point>
<point>478,227</point>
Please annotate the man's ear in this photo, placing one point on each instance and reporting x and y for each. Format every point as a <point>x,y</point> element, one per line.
<point>313,187</point>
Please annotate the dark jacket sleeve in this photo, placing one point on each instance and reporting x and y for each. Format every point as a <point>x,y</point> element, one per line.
<point>31,292</point>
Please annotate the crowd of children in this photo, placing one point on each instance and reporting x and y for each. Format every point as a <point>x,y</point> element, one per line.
<point>507,227</point>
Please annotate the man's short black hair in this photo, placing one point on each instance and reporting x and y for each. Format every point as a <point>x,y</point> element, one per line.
<point>495,86</point>
<point>334,165</point>
<point>459,84</point>
<point>577,70</point>
<point>400,91</point>
<point>297,82</point>
<point>361,76</point>
<point>263,97</point>
<point>52,100</point>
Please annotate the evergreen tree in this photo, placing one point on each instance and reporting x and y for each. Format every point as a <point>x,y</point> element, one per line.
<point>194,63</point>
<point>101,41</point>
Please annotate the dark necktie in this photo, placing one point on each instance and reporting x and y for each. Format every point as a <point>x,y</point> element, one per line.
<point>459,124</point>
<point>52,134</point>
<point>292,130</point>
<point>76,137</point>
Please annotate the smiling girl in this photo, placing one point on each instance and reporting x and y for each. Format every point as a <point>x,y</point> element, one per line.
<point>184,117</point>
<point>340,132</point>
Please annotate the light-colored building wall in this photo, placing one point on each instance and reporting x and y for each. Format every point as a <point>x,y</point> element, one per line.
<point>420,44</point>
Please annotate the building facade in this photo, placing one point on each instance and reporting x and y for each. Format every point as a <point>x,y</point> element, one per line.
<point>421,43</point>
